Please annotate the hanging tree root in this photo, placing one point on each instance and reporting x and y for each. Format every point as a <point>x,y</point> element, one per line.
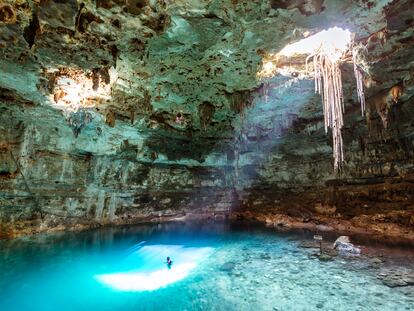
<point>328,83</point>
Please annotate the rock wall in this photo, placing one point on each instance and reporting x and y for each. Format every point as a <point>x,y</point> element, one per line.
<point>127,111</point>
<point>269,173</point>
<point>56,182</point>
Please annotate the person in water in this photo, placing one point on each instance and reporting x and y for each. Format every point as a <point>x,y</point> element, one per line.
<point>169,262</point>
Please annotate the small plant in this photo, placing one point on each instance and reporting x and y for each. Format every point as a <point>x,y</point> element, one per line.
<point>78,120</point>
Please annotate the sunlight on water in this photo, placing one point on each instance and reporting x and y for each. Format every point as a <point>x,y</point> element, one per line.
<point>147,270</point>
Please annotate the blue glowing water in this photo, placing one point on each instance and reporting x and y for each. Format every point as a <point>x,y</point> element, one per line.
<point>215,267</point>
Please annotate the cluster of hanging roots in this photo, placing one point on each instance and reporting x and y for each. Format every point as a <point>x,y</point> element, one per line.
<point>360,86</point>
<point>328,83</point>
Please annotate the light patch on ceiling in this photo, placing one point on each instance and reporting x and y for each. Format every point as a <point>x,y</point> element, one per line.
<point>75,89</point>
<point>268,69</point>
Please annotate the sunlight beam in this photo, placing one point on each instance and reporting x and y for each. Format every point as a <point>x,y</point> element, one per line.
<point>145,268</point>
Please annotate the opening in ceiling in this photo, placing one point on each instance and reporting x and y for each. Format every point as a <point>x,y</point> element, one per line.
<point>327,50</point>
<point>333,42</point>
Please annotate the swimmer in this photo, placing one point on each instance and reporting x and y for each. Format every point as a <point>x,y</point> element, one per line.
<point>169,262</point>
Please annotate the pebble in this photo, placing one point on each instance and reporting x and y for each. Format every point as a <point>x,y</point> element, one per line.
<point>237,273</point>
<point>376,261</point>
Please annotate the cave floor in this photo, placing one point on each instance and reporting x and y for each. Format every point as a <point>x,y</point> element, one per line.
<point>216,266</point>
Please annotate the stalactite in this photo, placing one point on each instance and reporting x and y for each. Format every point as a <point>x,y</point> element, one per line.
<point>240,101</point>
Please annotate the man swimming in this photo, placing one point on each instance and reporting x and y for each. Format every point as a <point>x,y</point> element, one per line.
<point>169,262</point>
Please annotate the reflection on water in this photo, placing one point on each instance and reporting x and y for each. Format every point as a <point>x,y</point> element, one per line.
<point>215,267</point>
<point>144,268</point>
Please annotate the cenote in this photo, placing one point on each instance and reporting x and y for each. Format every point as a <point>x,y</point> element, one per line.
<point>216,266</point>
<point>206,155</point>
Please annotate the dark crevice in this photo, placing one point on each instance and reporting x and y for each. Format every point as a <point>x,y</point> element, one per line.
<point>95,79</point>
<point>78,24</point>
<point>78,16</point>
<point>30,31</point>
<point>114,52</point>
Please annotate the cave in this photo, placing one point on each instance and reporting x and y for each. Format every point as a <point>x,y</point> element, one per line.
<point>207,155</point>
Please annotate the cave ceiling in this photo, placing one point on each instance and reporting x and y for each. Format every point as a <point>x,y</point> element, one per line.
<point>178,79</point>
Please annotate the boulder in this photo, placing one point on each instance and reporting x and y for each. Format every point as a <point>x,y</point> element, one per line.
<point>345,247</point>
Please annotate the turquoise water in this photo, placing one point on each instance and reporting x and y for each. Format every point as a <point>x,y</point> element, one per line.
<point>215,267</point>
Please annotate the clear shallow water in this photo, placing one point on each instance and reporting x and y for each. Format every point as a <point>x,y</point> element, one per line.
<point>216,267</point>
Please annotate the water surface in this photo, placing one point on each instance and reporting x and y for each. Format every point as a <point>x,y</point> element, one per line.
<point>215,267</point>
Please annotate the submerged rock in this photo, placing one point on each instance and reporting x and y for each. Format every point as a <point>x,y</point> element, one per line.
<point>309,244</point>
<point>376,261</point>
<point>324,257</point>
<point>265,256</point>
<point>394,281</point>
<point>397,277</point>
<point>228,266</point>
